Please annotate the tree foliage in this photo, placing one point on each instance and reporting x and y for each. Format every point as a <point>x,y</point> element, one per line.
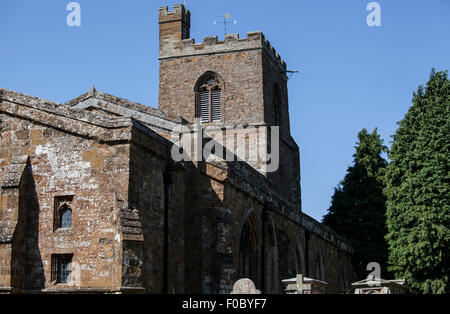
<point>418,195</point>
<point>358,205</point>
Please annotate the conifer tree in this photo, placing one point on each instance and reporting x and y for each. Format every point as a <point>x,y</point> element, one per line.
<point>358,205</point>
<point>418,193</point>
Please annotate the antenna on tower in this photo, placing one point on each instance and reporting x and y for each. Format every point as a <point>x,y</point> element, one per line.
<point>225,21</point>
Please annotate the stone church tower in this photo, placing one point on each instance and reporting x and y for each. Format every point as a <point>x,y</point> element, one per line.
<point>249,79</point>
<point>92,200</point>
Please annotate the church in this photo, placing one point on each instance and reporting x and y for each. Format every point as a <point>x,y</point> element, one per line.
<point>92,200</point>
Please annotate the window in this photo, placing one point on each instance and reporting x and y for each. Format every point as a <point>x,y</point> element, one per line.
<point>320,266</point>
<point>62,268</point>
<point>63,212</point>
<point>66,217</point>
<point>249,248</point>
<point>209,98</point>
<point>248,253</point>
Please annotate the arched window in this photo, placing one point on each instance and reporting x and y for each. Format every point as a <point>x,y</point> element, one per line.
<point>250,247</point>
<point>320,266</point>
<point>298,262</point>
<point>62,212</point>
<point>283,253</point>
<point>248,252</point>
<point>66,217</point>
<point>271,284</point>
<point>209,98</point>
<point>342,282</point>
<point>300,267</point>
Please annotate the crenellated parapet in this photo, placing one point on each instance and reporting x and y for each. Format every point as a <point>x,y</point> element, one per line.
<point>211,45</point>
<point>178,9</point>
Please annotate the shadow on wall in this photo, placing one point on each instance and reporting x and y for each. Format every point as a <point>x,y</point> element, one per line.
<point>27,272</point>
<point>34,269</point>
<point>230,234</point>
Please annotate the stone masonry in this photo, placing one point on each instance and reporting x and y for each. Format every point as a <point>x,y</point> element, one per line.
<point>140,222</point>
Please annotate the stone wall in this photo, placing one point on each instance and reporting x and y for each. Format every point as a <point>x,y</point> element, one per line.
<point>250,70</point>
<point>65,164</point>
<point>157,197</point>
<point>242,95</point>
<point>281,241</point>
<point>125,192</point>
<point>142,222</point>
<point>249,67</point>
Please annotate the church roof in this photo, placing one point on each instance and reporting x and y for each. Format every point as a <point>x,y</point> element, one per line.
<point>94,93</point>
<point>116,106</point>
<point>117,109</point>
<point>9,98</point>
<point>73,120</point>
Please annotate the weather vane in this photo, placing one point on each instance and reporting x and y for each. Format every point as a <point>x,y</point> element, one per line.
<point>225,21</point>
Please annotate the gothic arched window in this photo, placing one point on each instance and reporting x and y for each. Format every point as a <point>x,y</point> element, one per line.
<point>248,252</point>
<point>66,217</point>
<point>209,98</point>
<point>62,212</point>
<point>300,267</point>
<point>320,266</point>
<point>63,217</point>
<point>249,248</point>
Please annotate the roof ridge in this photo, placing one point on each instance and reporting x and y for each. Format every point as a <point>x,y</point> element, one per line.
<point>123,102</point>
<point>4,91</point>
<point>60,109</point>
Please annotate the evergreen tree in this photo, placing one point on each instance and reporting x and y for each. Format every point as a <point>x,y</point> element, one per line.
<point>358,205</point>
<point>418,194</point>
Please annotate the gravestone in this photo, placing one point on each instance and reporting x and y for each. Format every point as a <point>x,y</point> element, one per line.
<point>245,286</point>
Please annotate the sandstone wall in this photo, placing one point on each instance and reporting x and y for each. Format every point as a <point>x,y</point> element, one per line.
<point>242,95</point>
<point>286,244</point>
<point>157,196</point>
<point>78,168</point>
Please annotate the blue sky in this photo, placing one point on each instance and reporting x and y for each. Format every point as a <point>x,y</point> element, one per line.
<point>351,76</point>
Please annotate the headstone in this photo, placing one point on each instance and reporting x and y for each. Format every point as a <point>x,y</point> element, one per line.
<point>380,286</point>
<point>245,286</point>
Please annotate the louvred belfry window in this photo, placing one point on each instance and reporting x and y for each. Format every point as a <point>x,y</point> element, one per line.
<point>216,104</point>
<point>204,106</point>
<point>209,100</point>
